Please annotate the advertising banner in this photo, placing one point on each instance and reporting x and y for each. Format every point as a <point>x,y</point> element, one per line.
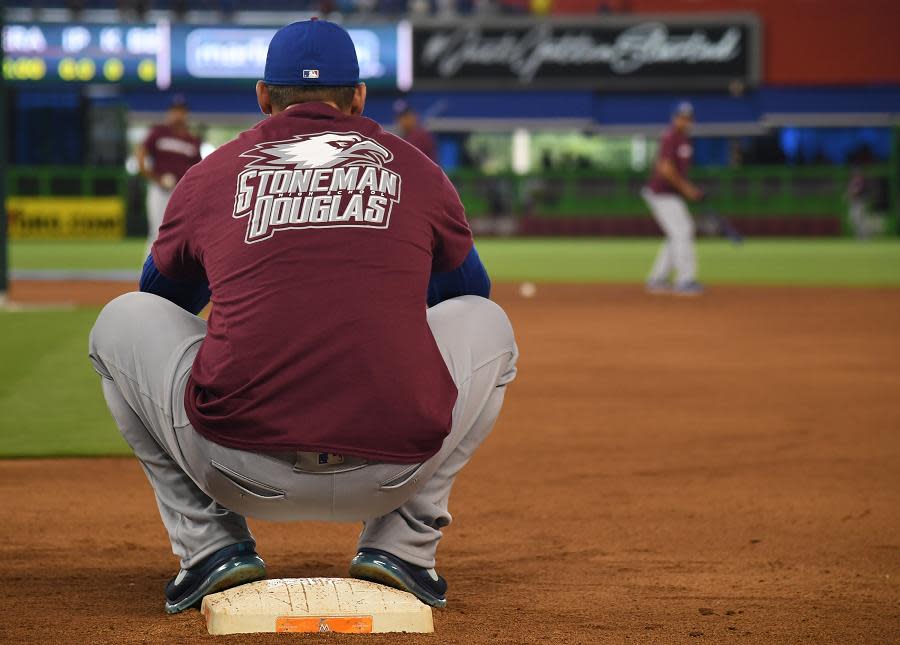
<point>633,53</point>
<point>66,218</point>
<point>217,55</point>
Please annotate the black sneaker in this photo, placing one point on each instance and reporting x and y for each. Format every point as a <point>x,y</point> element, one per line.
<point>226,568</point>
<point>386,569</point>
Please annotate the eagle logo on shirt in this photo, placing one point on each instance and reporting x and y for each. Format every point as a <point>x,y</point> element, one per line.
<point>321,150</point>
<point>321,180</point>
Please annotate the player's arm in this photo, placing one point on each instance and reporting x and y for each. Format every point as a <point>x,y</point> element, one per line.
<point>667,169</point>
<point>469,279</point>
<point>143,166</point>
<point>175,270</point>
<point>456,269</point>
<point>145,152</point>
<point>192,296</point>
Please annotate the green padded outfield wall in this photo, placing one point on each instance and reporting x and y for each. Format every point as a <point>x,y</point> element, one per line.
<point>761,200</point>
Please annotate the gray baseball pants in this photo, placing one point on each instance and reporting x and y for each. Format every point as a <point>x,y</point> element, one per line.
<point>677,253</point>
<point>157,200</point>
<point>143,347</point>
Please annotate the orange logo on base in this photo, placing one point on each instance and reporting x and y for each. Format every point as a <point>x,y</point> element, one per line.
<point>337,624</point>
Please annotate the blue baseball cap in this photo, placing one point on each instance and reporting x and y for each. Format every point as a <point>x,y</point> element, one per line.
<point>312,52</point>
<point>684,108</point>
<point>401,107</point>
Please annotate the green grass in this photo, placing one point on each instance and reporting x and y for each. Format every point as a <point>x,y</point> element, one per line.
<point>766,262</point>
<point>49,394</point>
<point>66,254</point>
<point>839,262</point>
<point>50,400</point>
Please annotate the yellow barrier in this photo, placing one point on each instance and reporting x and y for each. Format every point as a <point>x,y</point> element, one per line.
<point>66,218</point>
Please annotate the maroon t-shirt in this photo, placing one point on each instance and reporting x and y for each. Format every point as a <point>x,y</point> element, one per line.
<point>172,151</point>
<point>677,148</point>
<point>318,233</point>
<point>424,141</point>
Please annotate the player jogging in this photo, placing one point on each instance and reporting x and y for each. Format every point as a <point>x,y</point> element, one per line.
<point>665,194</point>
<point>322,388</point>
<point>165,156</point>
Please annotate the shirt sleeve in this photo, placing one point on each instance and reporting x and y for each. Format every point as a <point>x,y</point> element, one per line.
<point>150,142</point>
<point>191,296</point>
<point>668,149</point>
<point>177,251</point>
<point>452,236</point>
<point>469,279</point>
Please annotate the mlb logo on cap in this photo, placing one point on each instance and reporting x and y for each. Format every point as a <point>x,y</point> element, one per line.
<point>310,73</point>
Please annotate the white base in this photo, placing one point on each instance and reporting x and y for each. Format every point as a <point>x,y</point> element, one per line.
<point>315,605</point>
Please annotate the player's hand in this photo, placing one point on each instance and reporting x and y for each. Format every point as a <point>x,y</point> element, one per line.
<point>693,193</point>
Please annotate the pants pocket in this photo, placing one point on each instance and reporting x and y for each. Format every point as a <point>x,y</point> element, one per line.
<point>247,486</point>
<point>402,478</point>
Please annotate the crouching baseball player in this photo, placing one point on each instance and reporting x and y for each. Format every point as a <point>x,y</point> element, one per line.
<point>351,364</point>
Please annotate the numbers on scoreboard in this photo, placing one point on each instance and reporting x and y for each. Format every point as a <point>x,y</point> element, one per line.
<point>24,68</point>
<point>113,70</point>
<point>82,69</point>
<point>146,70</point>
<point>80,53</point>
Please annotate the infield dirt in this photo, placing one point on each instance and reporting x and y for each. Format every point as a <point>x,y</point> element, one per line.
<point>721,469</point>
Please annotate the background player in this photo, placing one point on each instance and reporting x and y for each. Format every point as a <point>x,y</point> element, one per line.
<point>165,156</point>
<point>665,194</point>
<point>857,199</point>
<point>409,127</point>
<point>322,388</point>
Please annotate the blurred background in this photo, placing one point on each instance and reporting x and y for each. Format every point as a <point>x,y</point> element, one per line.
<point>545,113</point>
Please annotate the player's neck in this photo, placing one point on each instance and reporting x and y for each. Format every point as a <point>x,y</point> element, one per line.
<point>288,107</point>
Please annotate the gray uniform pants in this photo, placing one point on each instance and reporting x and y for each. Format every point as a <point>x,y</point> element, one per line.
<point>677,253</point>
<point>858,217</point>
<point>143,348</point>
<point>157,200</point>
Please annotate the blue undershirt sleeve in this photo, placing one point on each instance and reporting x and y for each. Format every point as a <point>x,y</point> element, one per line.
<point>192,296</point>
<point>469,279</point>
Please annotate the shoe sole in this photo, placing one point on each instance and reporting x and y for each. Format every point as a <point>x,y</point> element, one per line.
<point>375,573</point>
<point>231,574</point>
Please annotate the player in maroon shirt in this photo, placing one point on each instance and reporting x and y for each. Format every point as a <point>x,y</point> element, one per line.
<point>411,130</point>
<point>665,194</point>
<point>167,153</point>
<point>323,386</point>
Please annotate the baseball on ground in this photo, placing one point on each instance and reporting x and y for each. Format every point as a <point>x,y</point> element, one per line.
<point>527,289</point>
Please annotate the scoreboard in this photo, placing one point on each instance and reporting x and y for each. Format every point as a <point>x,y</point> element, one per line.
<point>163,55</point>
<point>81,53</point>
